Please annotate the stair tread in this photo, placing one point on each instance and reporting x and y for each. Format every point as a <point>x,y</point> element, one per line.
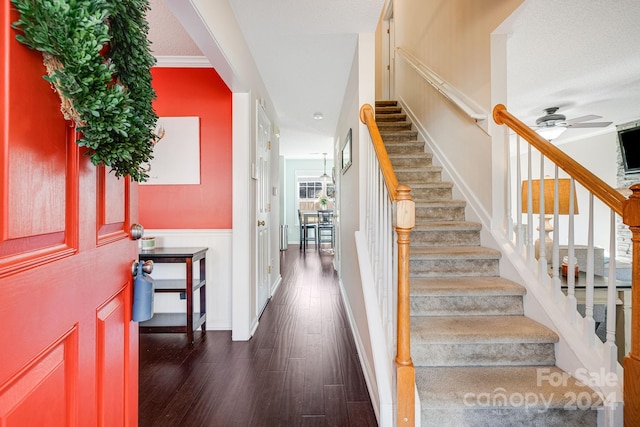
<point>394,123</point>
<point>428,168</point>
<point>389,116</point>
<point>402,143</point>
<point>410,156</point>
<point>463,286</point>
<point>446,225</point>
<point>436,184</point>
<point>453,252</point>
<point>479,329</point>
<point>440,203</point>
<point>448,386</point>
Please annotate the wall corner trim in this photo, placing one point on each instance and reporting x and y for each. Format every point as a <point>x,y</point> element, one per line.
<point>183,61</point>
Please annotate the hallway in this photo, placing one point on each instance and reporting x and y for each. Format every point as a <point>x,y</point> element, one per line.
<point>301,367</point>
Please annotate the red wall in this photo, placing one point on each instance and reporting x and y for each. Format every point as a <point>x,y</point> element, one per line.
<point>194,92</point>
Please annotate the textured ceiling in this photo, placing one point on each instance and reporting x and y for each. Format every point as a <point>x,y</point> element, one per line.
<point>304,50</point>
<point>166,34</point>
<point>581,56</point>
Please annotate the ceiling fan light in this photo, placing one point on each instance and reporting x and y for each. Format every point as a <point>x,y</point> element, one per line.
<point>551,132</point>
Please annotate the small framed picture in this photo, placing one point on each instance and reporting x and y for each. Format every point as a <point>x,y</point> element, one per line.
<point>346,153</point>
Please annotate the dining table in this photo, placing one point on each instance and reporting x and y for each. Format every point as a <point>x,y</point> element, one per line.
<point>310,218</point>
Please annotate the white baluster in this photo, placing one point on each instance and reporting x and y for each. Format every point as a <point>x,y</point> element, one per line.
<point>543,274</point>
<point>555,267</point>
<point>508,209</point>
<point>611,348</point>
<point>590,323</point>
<point>572,305</point>
<point>520,227</point>
<point>530,253</point>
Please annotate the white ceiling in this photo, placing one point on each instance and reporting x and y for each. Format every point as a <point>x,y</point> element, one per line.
<point>581,56</point>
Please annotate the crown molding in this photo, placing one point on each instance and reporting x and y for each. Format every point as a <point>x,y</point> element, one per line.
<point>183,61</point>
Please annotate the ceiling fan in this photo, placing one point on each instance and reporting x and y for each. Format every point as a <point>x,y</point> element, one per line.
<point>552,124</point>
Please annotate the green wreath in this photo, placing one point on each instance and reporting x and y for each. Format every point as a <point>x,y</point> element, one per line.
<point>98,59</point>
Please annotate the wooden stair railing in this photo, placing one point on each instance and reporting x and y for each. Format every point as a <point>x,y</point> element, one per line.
<point>629,210</point>
<point>405,221</point>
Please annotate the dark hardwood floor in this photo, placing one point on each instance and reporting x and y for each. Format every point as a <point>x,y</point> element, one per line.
<point>301,367</point>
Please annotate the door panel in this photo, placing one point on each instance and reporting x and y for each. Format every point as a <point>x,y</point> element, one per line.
<point>111,370</point>
<point>37,130</point>
<point>112,209</point>
<point>67,344</point>
<point>263,146</point>
<point>38,384</point>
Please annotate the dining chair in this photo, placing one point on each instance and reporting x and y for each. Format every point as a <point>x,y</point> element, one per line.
<point>325,227</point>
<point>305,227</point>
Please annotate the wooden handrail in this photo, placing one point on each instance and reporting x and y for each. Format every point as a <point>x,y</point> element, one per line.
<point>367,117</point>
<point>603,191</point>
<point>629,209</point>
<point>405,221</point>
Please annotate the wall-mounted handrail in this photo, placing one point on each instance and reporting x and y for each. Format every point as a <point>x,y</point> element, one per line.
<point>404,222</point>
<point>444,88</point>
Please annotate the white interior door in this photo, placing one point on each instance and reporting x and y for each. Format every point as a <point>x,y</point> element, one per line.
<point>263,206</point>
<point>388,53</point>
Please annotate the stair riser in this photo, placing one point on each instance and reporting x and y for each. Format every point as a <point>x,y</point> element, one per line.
<point>453,267</point>
<point>478,415</point>
<point>457,305</point>
<point>409,148</point>
<point>445,238</point>
<point>386,103</point>
<point>419,176</point>
<point>388,110</point>
<point>440,213</point>
<point>490,354</point>
<point>387,117</point>
<point>430,194</point>
<point>393,126</point>
<point>399,136</point>
<point>411,162</point>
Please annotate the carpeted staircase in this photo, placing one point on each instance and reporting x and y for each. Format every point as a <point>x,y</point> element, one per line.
<point>479,361</point>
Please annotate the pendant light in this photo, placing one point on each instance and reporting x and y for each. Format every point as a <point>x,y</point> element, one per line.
<point>324,176</point>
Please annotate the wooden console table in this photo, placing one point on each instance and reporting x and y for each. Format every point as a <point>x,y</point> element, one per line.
<point>189,321</point>
<point>600,297</point>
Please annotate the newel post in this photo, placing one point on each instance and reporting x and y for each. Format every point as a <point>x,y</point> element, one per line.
<point>405,221</point>
<point>631,217</point>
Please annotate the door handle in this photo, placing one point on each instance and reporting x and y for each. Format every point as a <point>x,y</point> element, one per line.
<point>147,267</point>
<point>261,223</point>
<point>136,231</point>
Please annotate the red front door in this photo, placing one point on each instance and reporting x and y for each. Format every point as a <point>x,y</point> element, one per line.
<point>68,348</point>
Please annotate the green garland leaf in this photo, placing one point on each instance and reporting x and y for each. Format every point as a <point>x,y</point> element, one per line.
<point>108,94</point>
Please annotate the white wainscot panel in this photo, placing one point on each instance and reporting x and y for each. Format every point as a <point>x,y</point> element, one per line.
<point>218,273</point>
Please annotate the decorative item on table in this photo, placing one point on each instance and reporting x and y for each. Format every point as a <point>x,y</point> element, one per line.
<point>565,267</point>
<point>148,243</point>
<point>322,200</point>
